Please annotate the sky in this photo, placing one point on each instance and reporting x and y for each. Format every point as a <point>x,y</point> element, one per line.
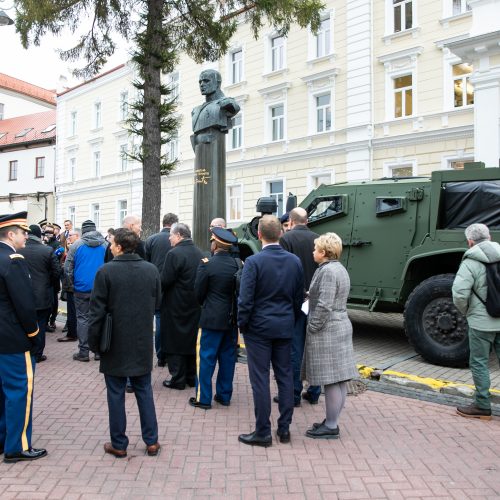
<point>41,65</point>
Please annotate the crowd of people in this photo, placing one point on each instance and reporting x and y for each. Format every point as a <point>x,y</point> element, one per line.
<point>164,297</point>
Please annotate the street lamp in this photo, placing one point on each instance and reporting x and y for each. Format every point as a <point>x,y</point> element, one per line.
<point>5,20</point>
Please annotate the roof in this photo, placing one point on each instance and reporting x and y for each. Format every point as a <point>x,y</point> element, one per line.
<point>91,80</point>
<point>28,89</point>
<point>34,125</point>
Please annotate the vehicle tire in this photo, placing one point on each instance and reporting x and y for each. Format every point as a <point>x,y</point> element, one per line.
<point>434,326</point>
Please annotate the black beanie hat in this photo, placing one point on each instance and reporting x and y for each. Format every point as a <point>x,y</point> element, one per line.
<point>35,230</point>
<point>88,226</point>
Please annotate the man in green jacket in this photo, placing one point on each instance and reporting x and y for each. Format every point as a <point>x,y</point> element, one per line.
<point>484,330</point>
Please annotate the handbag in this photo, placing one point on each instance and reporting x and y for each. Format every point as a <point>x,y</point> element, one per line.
<point>106,330</point>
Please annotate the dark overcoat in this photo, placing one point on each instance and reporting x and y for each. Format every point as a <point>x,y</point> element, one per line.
<point>180,311</point>
<point>129,288</point>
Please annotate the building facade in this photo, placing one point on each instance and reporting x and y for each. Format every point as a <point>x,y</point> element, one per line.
<point>378,91</point>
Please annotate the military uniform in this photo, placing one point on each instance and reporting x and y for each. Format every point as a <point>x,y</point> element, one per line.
<point>18,338</point>
<point>217,337</point>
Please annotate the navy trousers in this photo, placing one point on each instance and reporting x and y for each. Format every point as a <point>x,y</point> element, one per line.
<point>116,405</point>
<point>298,343</point>
<point>215,346</point>
<point>71,321</point>
<point>42,316</point>
<point>261,352</point>
<point>17,372</point>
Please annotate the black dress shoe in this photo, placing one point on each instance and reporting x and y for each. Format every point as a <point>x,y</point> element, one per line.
<point>50,328</point>
<point>170,385</point>
<point>283,436</point>
<point>220,401</point>
<point>80,357</point>
<point>67,339</point>
<point>296,404</point>
<point>197,404</point>
<point>323,432</point>
<point>307,396</point>
<point>41,359</point>
<point>253,440</point>
<point>22,456</point>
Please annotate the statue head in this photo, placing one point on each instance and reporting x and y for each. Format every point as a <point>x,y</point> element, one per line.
<point>210,81</point>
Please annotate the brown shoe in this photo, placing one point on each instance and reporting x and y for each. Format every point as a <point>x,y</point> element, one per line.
<point>473,411</point>
<point>153,449</point>
<point>108,448</point>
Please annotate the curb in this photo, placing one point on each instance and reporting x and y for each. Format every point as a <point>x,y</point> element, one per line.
<point>423,383</point>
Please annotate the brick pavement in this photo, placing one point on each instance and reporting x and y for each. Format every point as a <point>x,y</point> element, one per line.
<point>391,447</point>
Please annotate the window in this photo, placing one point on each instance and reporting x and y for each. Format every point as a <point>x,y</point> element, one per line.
<point>72,215</point>
<point>403,96</point>
<point>460,7</point>
<point>173,84</point>
<point>277,53</point>
<point>72,123</point>
<point>463,90</point>
<point>123,157</point>
<point>40,167</point>
<point>23,132</point>
<point>2,110</point>
<point>323,113</point>
<point>236,133</point>
<point>173,149</point>
<point>124,105</point>
<point>122,211</point>
<point>48,129</point>
<point>234,203</point>
<point>401,171</point>
<point>277,122</point>
<point>72,169</point>
<point>96,164</point>
<point>13,170</point>
<point>95,214</point>
<point>403,15</point>
<point>315,180</point>
<point>275,190</point>
<point>97,115</point>
<point>323,37</point>
<point>236,66</point>
<point>327,206</point>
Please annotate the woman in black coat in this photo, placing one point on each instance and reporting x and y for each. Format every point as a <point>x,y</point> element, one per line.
<point>129,288</point>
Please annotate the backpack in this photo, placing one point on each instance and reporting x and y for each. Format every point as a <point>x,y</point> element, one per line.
<point>492,302</point>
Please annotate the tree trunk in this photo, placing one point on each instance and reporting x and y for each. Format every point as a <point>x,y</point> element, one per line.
<point>151,178</point>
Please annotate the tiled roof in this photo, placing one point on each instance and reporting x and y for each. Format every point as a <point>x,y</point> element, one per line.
<point>25,88</point>
<point>37,122</point>
<point>91,80</point>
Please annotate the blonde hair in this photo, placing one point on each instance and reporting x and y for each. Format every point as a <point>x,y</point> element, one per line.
<point>331,244</point>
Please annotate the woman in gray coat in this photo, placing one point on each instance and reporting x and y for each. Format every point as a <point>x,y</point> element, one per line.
<point>328,355</point>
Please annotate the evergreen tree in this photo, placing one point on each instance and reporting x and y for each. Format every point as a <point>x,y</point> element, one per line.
<point>160,30</point>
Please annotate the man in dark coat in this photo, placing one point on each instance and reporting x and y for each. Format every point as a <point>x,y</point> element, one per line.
<point>215,287</point>
<point>18,336</point>
<point>270,299</point>
<point>180,311</point>
<point>299,240</point>
<point>128,288</point>
<point>157,246</point>
<point>45,271</point>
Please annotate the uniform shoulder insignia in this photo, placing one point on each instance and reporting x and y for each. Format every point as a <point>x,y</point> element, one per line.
<point>204,260</point>
<point>16,256</point>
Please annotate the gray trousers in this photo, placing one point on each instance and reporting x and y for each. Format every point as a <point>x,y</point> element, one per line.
<point>82,305</point>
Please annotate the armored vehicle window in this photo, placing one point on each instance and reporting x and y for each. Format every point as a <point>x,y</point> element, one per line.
<point>389,205</point>
<point>327,206</point>
<point>464,203</point>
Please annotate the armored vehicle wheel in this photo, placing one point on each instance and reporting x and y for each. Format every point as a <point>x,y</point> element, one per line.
<point>434,326</point>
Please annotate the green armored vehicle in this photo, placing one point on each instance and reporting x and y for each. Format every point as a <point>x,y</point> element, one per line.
<point>403,242</point>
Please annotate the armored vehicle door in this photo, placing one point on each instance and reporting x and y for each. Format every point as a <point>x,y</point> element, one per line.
<point>384,226</point>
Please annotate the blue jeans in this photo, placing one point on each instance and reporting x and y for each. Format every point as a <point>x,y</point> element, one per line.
<point>143,391</point>
<point>298,342</point>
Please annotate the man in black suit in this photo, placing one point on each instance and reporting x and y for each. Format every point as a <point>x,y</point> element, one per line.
<point>157,246</point>
<point>271,295</point>
<point>299,240</point>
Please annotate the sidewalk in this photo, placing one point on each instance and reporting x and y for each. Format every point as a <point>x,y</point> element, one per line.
<point>390,447</point>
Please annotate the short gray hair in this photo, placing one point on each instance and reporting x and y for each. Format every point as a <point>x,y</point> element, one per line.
<point>477,233</point>
<point>181,229</point>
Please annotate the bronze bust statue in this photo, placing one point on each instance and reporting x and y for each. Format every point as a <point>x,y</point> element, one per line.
<point>211,122</point>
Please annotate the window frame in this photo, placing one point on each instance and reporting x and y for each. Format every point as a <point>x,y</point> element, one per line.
<point>122,156</point>
<point>93,211</point>
<point>311,176</point>
<point>2,110</point>
<point>72,214</point>
<point>236,129</point>
<point>267,192</point>
<point>402,15</point>
<point>73,121</point>
<point>97,115</point>
<point>236,64</point>
<point>123,106</point>
<point>464,79</point>
<point>327,45</point>
<point>389,166</point>
<point>13,168</point>
<point>96,172</point>
<point>316,96</point>
<point>72,163</point>
<point>37,168</point>
<point>403,91</point>
<point>272,120</point>
<point>228,202</point>
<point>119,212</point>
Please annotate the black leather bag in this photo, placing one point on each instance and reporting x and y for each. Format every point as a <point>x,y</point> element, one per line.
<point>106,331</point>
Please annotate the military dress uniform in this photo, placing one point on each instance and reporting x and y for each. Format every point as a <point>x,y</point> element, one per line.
<point>18,338</point>
<point>218,334</point>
